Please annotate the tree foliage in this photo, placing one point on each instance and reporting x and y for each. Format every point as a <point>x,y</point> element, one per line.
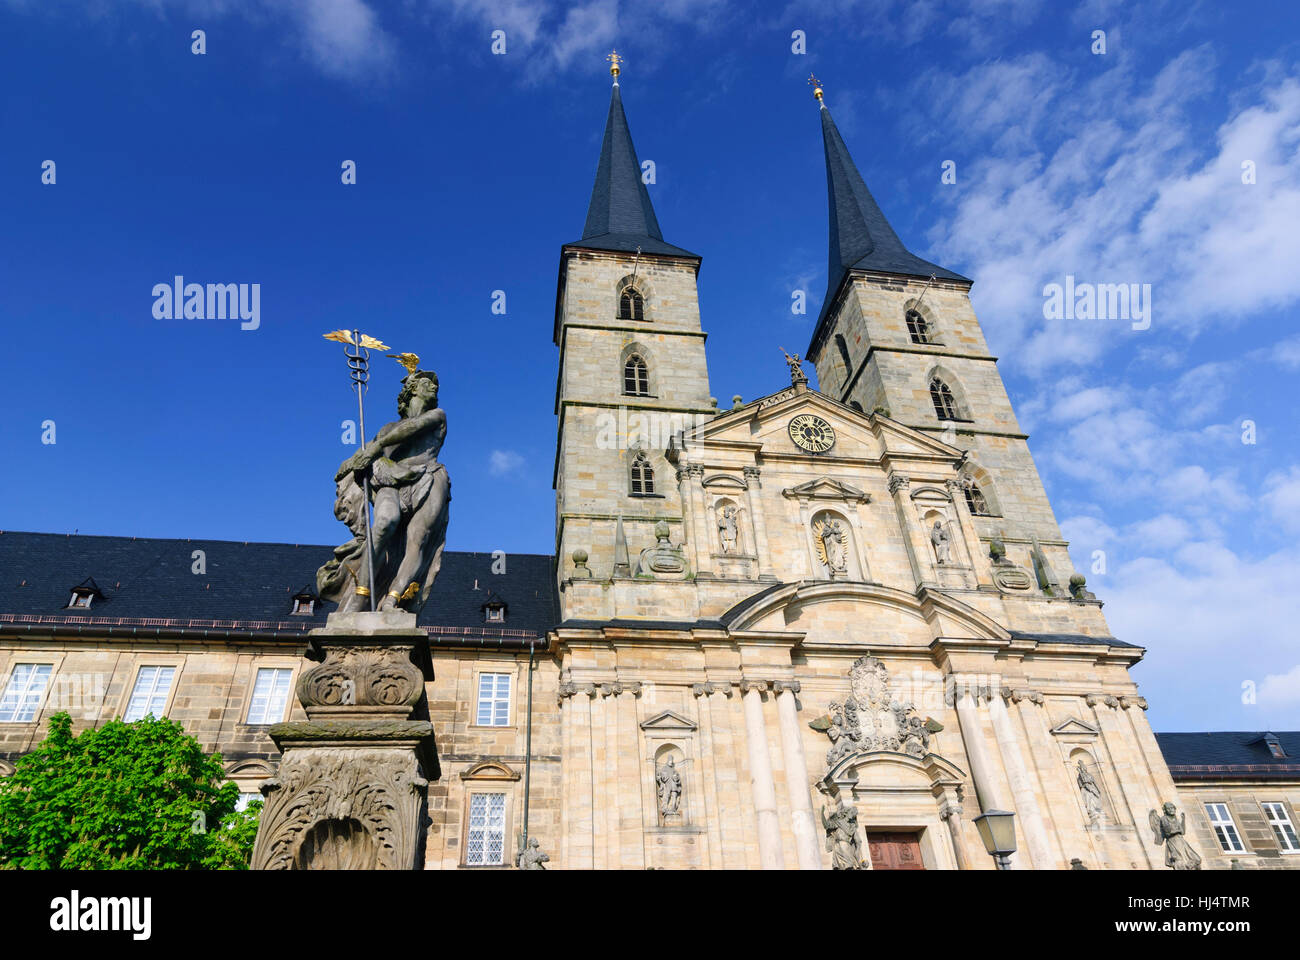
<point>127,796</point>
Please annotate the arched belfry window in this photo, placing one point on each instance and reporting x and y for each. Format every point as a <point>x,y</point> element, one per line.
<point>643,475</point>
<point>975,499</point>
<point>631,305</point>
<point>636,376</point>
<point>945,404</point>
<point>918,328</point>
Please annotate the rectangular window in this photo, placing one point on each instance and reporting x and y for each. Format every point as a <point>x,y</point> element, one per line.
<point>1224,828</point>
<point>485,841</point>
<point>24,691</point>
<point>149,698</point>
<point>1283,829</point>
<point>270,695</point>
<point>493,699</point>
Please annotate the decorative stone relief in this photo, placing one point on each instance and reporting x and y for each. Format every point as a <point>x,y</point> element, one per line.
<point>335,808</point>
<point>663,561</point>
<point>361,675</point>
<point>1006,575</point>
<point>870,719</point>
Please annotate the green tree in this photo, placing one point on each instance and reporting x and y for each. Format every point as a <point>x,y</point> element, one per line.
<point>127,796</point>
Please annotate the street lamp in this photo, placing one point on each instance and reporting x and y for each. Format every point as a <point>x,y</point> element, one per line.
<point>998,831</point>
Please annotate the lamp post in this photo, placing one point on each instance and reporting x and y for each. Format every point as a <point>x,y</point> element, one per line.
<point>998,831</point>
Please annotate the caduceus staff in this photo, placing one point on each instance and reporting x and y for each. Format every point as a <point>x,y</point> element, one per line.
<point>359,371</point>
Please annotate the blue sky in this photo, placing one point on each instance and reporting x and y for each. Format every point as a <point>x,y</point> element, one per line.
<point>474,168</point>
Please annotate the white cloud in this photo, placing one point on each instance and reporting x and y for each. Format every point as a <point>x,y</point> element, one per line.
<point>1282,689</point>
<point>1282,497</point>
<point>504,462</point>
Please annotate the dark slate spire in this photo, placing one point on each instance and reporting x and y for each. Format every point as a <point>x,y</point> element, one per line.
<point>620,216</point>
<point>861,238</point>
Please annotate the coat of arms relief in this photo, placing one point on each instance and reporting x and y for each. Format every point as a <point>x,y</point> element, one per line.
<point>871,719</point>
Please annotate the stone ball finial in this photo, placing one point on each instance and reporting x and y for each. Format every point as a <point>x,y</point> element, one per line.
<point>661,530</point>
<point>882,410</point>
<point>713,402</point>
<point>997,549</point>
<point>579,557</point>
<point>737,402</point>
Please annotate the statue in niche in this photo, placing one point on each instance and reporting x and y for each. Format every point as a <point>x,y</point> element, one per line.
<point>728,531</point>
<point>668,783</point>
<point>1171,830</point>
<point>831,541</point>
<point>411,493</point>
<point>841,828</point>
<point>1091,791</point>
<point>942,546</point>
<point>532,857</point>
<point>662,561</point>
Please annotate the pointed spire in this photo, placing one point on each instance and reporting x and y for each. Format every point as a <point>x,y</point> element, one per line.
<point>622,568</point>
<point>620,216</point>
<point>860,236</point>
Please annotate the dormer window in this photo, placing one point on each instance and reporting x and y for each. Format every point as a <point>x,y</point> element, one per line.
<point>494,609</point>
<point>1274,746</point>
<point>304,604</point>
<point>83,595</point>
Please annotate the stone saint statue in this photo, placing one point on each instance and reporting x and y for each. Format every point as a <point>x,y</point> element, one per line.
<point>1171,830</point>
<point>842,835</point>
<point>532,857</point>
<point>669,785</point>
<point>1091,791</point>
<point>411,493</point>
<point>727,530</point>
<point>939,537</point>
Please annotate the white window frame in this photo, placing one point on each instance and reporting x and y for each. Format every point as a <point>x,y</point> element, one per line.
<point>1279,819</point>
<point>269,713</point>
<point>25,697</point>
<point>498,706</point>
<point>153,691</point>
<point>493,805</point>
<point>1224,827</point>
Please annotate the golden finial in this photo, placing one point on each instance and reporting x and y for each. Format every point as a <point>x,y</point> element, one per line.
<point>367,341</point>
<point>614,61</point>
<point>816,85</point>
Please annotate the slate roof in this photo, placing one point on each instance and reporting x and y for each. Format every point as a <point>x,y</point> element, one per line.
<point>1216,754</point>
<point>145,578</point>
<point>620,216</point>
<point>860,236</point>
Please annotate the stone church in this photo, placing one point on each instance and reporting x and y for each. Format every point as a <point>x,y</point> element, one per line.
<point>821,629</point>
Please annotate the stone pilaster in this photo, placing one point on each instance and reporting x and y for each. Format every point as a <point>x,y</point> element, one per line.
<point>802,823</point>
<point>760,772</point>
<point>1029,813</point>
<point>754,487</point>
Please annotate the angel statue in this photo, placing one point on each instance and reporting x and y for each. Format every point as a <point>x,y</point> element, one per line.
<point>832,546</point>
<point>1171,830</point>
<point>411,493</point>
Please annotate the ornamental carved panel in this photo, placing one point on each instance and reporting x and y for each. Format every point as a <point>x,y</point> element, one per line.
<point>362,675</point>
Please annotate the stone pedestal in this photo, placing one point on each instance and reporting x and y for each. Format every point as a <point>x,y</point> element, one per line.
<point>351,791</point>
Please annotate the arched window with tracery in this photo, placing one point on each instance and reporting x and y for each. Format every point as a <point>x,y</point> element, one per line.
<point>643,475</point>
<point>975,499</point>
<point>945,404</point>
<point>631,305</point>
<point>636,376</point>
<point>917,327</point>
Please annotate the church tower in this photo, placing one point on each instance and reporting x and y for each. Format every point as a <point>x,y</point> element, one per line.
<point>632,370</point>
<point>897,335</point>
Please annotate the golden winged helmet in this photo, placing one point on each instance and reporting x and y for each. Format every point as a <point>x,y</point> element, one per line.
<point>409,360</point>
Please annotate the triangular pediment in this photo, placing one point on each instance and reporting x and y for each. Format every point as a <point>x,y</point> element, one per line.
<point>668,721</point>
<point>1075,727</point>
<point>763,424</point>
<point>827,488</point>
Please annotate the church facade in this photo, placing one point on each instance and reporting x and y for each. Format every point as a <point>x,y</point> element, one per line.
<point>822,629</point>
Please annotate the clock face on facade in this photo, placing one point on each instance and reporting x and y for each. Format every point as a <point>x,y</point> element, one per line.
<point>812,433</point>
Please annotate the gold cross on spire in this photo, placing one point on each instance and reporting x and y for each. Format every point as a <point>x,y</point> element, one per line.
<point>614,61</point>
<point>816,85</point>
